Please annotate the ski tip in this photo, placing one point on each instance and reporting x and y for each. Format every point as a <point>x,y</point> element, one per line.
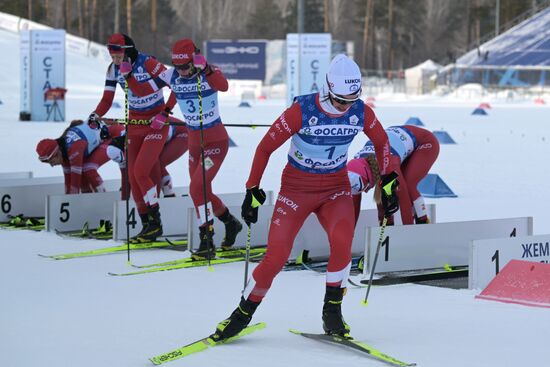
<point>294,331</point>
<point>154,361</point>
<point>365,303</point>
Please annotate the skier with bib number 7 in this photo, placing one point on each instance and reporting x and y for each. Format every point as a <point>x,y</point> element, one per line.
<point>321,127</point>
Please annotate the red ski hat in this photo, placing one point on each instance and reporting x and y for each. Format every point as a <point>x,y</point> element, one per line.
<point>46,149</point>
<point>360,175</point>
<point>183,51</point>
<point>117,44</point>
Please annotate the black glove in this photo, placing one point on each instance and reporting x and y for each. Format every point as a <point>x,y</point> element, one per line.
<point>94,120</point>
<point>390,202</point>
<point>104,132</point>
<point>252,201</point>
<point>118,142</point>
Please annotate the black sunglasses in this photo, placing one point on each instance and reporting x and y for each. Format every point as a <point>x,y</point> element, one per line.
<point>116,48</point>
<point>343,100</point>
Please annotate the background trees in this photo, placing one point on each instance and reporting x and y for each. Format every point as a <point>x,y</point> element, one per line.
<point>388,34</point>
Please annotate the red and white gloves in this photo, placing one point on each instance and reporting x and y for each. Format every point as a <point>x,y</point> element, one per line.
<point>199,62</point>
<point>159,121</point>
<point>125,68</point>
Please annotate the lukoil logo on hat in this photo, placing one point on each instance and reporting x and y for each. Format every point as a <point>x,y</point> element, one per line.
<point>343,76</point>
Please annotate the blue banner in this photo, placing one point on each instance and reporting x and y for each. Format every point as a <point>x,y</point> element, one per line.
<point>238,59</point>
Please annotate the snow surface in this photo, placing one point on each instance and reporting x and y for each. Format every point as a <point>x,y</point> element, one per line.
<point>71,313</point>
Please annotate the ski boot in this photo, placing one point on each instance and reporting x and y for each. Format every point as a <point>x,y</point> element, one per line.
<point>239,319</point>
<point>206,250</point>
<point>232,229</point>
<point>421,220</point>
<point>153,229</point>
<point>333,322</point>
<point>144,223</point>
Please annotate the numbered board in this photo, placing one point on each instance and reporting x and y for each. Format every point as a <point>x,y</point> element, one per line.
<point>428,246</point>
<point>70,212</point>
<point>488,257</point>
<point>173,214</point>
<point>28,196</point>
<point>312,236</point>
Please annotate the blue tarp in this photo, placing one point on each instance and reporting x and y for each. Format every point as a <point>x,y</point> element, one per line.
<point>414,121</point>
<point>479,111</point>
<point>443,137</point>
<point>432,186</point>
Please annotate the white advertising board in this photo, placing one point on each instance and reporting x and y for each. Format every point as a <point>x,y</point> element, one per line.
<point>428,246</point>
<point>47,63</point>
<point>308,58</point>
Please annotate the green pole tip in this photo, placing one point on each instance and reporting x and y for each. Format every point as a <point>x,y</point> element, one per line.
<point>210,268</point>
<point>447,267</point>
<point>365,303</point>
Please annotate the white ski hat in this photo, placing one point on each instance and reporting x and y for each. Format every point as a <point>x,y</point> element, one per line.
<point>343,76</point>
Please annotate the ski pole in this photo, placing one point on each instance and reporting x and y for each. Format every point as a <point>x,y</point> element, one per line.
<point>127,188</point>
<point>208,233</point>
<point>380,240</point>
<point>112,121</point>
<point>246,257</point>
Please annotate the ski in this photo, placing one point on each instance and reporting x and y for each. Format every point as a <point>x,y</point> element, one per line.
<point>201,345</point>
<point>355,345</point>
<point>220,253</point>
<point>185,265</point>
<point>414,276</point>
<point>115,249</point>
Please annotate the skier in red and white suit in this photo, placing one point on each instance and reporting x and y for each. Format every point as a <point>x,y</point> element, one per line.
<point>321,127</point>
<point>80,151</point>
<point>190,67</point>
<point>413,151</point>
<point>145,142</point>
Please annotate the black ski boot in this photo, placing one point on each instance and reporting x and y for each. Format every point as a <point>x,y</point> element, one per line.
<point>239,319</point>
<point>232,229</point>
<point>333,322</point>
<point>153,229</point>
<point>144,223</point>
<point>206,250</point>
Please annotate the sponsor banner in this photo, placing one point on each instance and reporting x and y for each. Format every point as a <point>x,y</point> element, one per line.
<point>25,72</point>
<point>308,58</point>
<point>25,24</point>
<point>47,53</point>
<point>77,45</point>
<point>99,51</point>
<point>9,22</point>
<point>238,59</point>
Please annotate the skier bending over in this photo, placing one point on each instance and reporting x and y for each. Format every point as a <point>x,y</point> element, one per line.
<point>413,151</point>
<point>81,150</point>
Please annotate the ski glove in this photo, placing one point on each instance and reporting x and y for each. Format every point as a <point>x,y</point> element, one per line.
<point>159,120</point>
<point>118,142</point>
<point>199,62</point>
<point>125,68</point>
<point>252,201</point>
<point>93,120</point>
<point>390,202</point>
<point>104,133</point>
